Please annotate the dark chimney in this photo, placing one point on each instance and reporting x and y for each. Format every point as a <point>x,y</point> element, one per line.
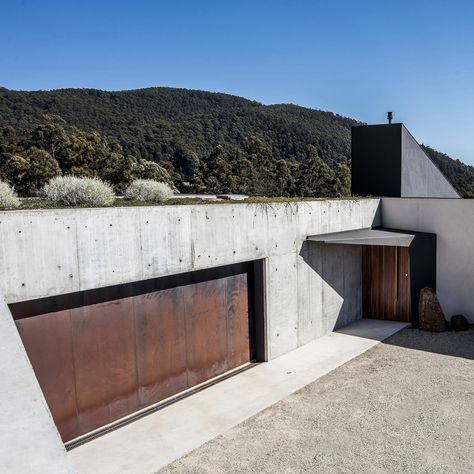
<point>389,117</point>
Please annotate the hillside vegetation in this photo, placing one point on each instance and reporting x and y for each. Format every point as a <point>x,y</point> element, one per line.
<point>195,140</point>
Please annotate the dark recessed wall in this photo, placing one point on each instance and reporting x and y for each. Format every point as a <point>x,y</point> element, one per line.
<point>377,160</point>
<point>422,265</point>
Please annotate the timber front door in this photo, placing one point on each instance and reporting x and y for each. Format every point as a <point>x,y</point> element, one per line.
<point>386,283</point>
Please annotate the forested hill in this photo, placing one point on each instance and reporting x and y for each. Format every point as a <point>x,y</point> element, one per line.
<point>180,129</point>
<point>153,123</point>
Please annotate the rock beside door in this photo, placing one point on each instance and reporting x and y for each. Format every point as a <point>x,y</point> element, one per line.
<point>431,316</point>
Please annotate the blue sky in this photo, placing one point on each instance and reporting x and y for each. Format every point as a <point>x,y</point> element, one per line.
<point>357,58</point>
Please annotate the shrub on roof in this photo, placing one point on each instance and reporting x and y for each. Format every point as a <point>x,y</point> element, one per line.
<point>75,191</point>
<point>8,197</point>
<point>148,190</point>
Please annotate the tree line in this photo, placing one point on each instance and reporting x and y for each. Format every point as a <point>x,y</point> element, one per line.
<point>29,161</point>
<point>48,150</point>
<point>165,124</point>
<point>251,169</point>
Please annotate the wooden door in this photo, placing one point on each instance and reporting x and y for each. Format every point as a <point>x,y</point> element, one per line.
<point>386,283</point>
<point>100,362</point>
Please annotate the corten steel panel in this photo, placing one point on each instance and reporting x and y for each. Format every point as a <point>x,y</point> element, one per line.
<point>102,361</point>
<point>206,328</point>
<point>161,345</point>
<point>105,364</point>
<point>238,330</point>
<point>48,343</point>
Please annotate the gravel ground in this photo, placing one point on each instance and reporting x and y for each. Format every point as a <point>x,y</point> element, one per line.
<point>404,406</point>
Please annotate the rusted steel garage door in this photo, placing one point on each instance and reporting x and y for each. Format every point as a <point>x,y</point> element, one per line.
<point>386,283</point>
<point>99,362</point>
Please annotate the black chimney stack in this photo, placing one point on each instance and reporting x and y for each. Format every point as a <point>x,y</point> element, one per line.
<point>389,117</point>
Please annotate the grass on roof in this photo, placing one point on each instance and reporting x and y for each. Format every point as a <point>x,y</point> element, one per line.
<point>37,203</point>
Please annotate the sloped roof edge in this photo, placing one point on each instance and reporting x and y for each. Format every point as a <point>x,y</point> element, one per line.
<point>366,236</point>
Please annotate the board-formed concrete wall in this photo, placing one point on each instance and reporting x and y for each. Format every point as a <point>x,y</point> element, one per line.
<point>52,252</point>
<point>452,220</point>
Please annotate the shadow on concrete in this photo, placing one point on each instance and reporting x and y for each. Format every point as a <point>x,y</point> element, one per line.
<point>374,329</point>
<point>340,267</point>
<point>339,292</point>
<point>448,343</point>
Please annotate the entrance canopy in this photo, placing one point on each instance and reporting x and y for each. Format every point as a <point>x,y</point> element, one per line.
<point>365,237</point>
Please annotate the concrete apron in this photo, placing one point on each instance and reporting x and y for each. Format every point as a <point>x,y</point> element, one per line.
<point>156,440</point>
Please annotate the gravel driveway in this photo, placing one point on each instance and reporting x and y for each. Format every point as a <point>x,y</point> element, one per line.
<point>404,406</point>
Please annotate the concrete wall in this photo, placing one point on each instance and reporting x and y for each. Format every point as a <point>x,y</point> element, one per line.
<point>52,252</point>
<point>29,441</point>
<point>311,294</point>
<point>453,222</point>
<point>329,286</point>
<point>420,176</point>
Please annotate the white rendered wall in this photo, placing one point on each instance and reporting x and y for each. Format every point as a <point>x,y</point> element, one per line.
<point>453,222</point>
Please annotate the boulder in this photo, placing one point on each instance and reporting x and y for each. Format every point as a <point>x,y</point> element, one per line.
<point>431,316</point>
<point>459,323</point>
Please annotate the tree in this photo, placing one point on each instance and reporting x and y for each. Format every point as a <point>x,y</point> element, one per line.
<point>185,162</point>
<point>285,178</point>
<point>116,169</point>
<point>13,170</point>
<point>84,154</point>
<point>9,140</point>
<point>51,136</point>
<point>243,174</point>
<point>260,155</point>
<point>12,165</point>
<point>144,169</point>
<point>30,171</point>
<point>41,168</point>
<point>342,185</point>
<point>29,165</point>
<point>214,174</point>
<point>315,178</point>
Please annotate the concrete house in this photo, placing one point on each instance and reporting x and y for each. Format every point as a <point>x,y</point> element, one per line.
<point>109,317</point>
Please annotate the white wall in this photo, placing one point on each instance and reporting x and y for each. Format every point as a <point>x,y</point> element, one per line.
<point>453,222</point>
